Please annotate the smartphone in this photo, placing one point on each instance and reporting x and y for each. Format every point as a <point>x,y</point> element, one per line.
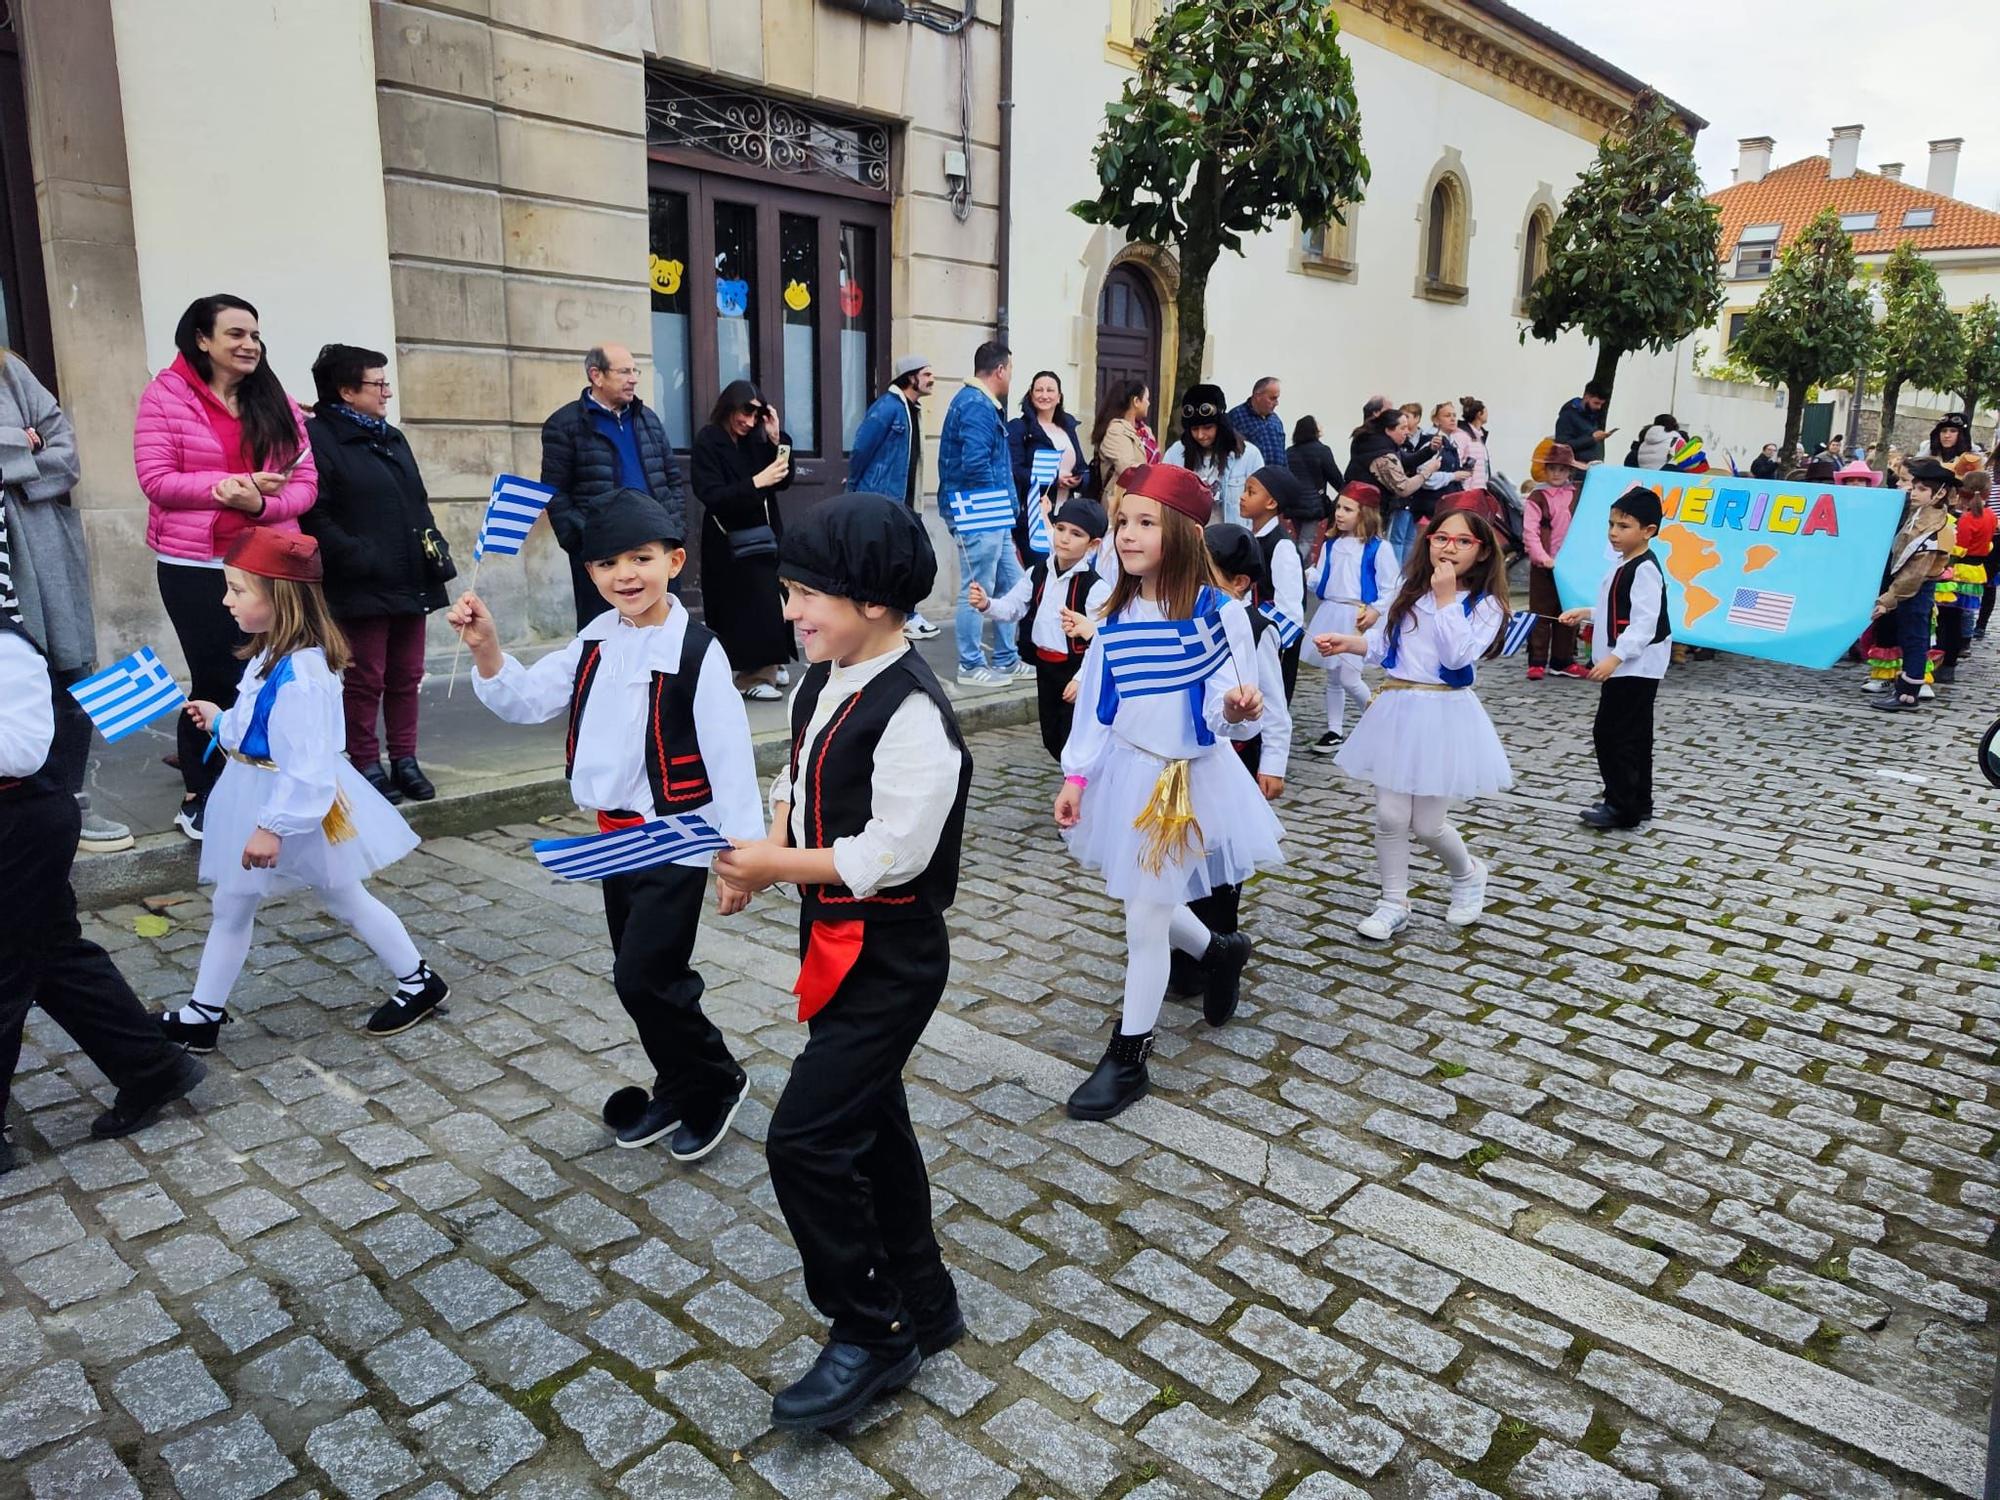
<point>784,453</point>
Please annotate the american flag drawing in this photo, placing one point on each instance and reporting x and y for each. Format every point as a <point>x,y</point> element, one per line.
<point>1290,631</point>
<point>128,695</point>
<point>682,839</point>
<point>976,511</point>
<point>1519,628</point>
<point>511,511</point>
<point>1162,656</point>
<point>1760,609</point>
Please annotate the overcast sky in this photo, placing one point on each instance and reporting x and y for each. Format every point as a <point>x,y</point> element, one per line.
<point>1908,73</point>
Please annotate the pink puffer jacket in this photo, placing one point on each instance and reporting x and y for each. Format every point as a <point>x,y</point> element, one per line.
<point>180,462</point>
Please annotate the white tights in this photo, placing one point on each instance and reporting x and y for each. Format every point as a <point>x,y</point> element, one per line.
<point>1400,818</point>
<point>1151,928</point>
<point>234,917</point>
<point>1344,683</point>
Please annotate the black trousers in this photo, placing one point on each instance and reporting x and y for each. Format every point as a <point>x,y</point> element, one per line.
<point>844,1159</point>
<point>45,960</point>
<point>69,750</point>
<point>1051,678</point>
<point>652,916</point>
<point>1623,735</point>
<point>208,638</point>
<point>1288,668</point>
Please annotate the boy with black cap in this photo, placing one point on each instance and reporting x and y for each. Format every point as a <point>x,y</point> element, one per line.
<point>1056,624</point>
<point>867,818</point>
<point>656,727</point>
<point>1631,653</point>
<point>1269,496</point>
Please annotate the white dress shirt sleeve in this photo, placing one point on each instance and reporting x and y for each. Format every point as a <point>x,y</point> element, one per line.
<point>1276,752</point>
<point>1388,576</point>
<point>27,713</point>
<point>1462,637</point>
<point>1288,580</point>
<point>912,789</point>
<point>306,740</point>
<point>1648,597</point>
<point>724,730</point>
<point>1088,740</point>
<point>530,695</point>
<point>1011,605</point>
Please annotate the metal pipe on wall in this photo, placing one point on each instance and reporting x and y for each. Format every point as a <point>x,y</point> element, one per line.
<point>1004,257</point>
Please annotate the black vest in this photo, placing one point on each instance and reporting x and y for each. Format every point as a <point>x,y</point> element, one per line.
<point>40,781</point>
<point>833,778</point>
<point>1621,599</point>
<point>672,750</point>
<point>1268,544</point>
<point>1077,595</point>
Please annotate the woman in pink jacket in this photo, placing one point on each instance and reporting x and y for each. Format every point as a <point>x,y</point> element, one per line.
<point>219,447</point>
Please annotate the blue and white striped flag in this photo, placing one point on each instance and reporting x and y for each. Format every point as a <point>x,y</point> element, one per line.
<point>680,840</point>
<point>128,695</point>
<point>1162,656</point>
<point>1519,628</point>
<point>510,512</point>
<point>1042,471</point>
<point>977,511</point>
<point>1290,631</point>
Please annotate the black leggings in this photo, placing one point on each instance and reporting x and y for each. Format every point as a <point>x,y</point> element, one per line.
<point>209,638</point>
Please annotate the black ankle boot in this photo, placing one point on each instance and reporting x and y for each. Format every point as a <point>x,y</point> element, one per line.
<point>1222,980</point>
<point>1184,974</point>
<point>1119,1082</point>
<point>378,777</point>
<point>410,779</point>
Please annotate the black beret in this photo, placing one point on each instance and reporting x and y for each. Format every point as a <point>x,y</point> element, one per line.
<point>625,519</point>
<point>1086,516</point>
<point>1283,486</point>
<point>867,548</point>
<point>1641,504</point>
<point>1235,552</point>
<point>1929,471</point>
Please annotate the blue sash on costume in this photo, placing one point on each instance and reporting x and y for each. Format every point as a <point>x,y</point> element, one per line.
<point>1370,590</point>
<point>1454,677</point>
<point>257,738</point>
<point>1107,690</point>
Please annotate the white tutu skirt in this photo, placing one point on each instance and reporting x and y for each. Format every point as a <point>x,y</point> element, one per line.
<point>1426,744</point>
<point>380,837</point>
<point>1238,831</point>
<point>1329,619</point>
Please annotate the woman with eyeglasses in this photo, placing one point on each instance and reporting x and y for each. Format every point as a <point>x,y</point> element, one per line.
<point>740,464</point>
<point>1215,451</point>
<point>386,563</point>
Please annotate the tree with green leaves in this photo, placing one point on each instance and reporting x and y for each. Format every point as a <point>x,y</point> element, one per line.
<point>1242,113</point>
<point>1633,254</point>
<point>1918,342</point>
<point>1979,373</point>
<point>1812,324</point>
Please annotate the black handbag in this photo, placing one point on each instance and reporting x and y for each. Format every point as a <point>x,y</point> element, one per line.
<point>439,569</point>
<point>750,542</point>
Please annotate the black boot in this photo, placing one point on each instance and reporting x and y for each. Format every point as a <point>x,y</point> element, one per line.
<point>1184,976</point>
<point>1119,1082</point>
<point>1227,953</point>
<point>378,778</point>
<point>410,779</point>
<point>841,1383</point>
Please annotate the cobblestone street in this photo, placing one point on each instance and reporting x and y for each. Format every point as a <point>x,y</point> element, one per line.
<point>1674,1177</point>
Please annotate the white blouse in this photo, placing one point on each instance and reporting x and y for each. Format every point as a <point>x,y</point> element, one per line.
<point>1160,724</point>
<point>1431,639</point>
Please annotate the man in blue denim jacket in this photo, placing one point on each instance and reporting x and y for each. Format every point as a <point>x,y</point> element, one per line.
<point>972,456</point>
<point>887,456</point>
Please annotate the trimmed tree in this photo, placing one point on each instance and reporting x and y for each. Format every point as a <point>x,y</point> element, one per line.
<point>1918,342</point>
<point>1242,113</point>
<point>1811,325</point>
<point>1979,374</point>
<point>1633,256</point>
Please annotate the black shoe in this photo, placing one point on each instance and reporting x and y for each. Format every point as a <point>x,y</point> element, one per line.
<point>655,1117</point>
<point>403,1010</point>
<point>188,819</point>
<point>1184,976</point>
<point>1119,1081</point>
<point>1222,983</point>
<point>1603,815</point>
<point>196,1036</point>
<point>378,778</point>
<point>692,1142</point>
<point>411,780</point>
<point>1326,744</point>
<point>136,1106</point>
<point>839,1386</point>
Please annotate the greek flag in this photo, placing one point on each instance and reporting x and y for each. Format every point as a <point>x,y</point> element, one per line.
<point>1042,471</point>
<point>684,839</point>
<point>1519,628</point>
<point>1162,656</point>
<point>128,695</point>
<point>1290,631</point>
<point>976,511</point>
<point>510,512</point>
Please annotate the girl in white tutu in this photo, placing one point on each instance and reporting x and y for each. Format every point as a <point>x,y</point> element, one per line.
<point>1425,740</point>
<point>1152,797</point>
<point>290,810</point>
<point>1354,578</point>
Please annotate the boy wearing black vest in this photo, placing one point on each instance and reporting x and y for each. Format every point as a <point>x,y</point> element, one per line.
<point>1633,649</point>
<point>655,727</point>
<point>44,958</point>
<point>1056,623</point>
<point>867,819</point>
<point>1271,495</point>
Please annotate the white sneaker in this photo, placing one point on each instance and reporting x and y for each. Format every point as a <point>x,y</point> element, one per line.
<point>1875,685</point>
<point>1468,897</point>
<point>762,692</point>
<point>1384,922</point>
<point>917,628</point>
<point>1022,672</point>
<point>784,677</point>
<point>982,677</point>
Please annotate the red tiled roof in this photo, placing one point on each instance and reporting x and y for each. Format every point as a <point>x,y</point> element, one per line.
<point>1794,193</point>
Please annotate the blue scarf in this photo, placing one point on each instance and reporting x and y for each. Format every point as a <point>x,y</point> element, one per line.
<point>374,426</point>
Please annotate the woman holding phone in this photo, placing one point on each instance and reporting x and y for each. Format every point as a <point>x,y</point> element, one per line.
<point>740,463</point>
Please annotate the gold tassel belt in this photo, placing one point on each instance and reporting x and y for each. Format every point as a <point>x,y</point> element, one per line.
<point>337,825</point>
<point>1394,684</point>
<point>1168,821</point>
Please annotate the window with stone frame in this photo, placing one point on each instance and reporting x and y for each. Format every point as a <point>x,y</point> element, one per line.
<point>1328,249</point>
<point>1130,21</point>
<point>1445,230</point>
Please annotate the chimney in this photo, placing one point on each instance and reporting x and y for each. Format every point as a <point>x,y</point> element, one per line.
<point>1893,170</point>
<point>1943,176</point>
<point>1843,151</point>
<point>1753,157</point>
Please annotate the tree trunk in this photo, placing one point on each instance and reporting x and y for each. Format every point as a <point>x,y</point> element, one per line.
<point>1606,374</point>
<point>1795,416</point>
<point>1892,391</point>
<point>1191,305</point>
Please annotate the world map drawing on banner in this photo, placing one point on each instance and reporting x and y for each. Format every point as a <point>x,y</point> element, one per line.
<point>1786,570</point>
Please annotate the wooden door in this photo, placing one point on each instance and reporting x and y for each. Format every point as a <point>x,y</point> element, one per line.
<point>1128,331</point>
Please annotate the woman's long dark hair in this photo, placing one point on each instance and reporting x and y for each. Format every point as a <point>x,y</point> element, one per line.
<point>1059,416</point>
<point>270,432</point>
<point>1491,579</point>
<point>1470,410</point>
<point>1305,430</point>
<point>1228,445</point>
<point>738,395</point>
<point>1117,401</point>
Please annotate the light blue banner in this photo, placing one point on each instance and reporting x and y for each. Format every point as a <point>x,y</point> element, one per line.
<point>1786,570</point>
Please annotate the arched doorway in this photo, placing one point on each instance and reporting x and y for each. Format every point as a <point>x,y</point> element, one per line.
<point>1128,330</point>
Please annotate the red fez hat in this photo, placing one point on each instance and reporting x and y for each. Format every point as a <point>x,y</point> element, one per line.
<point>1174,487</point>
<point>270,553</point>
<point>1361,492</point>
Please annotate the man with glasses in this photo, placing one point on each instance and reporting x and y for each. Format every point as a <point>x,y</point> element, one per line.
<point>605,441</point>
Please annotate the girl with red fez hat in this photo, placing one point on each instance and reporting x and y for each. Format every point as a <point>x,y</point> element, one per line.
<point>1358,564</point>
<point>1151,795</point>
<point>290,810</point>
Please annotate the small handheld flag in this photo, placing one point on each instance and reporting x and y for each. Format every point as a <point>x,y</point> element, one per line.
<point>128,695</point>
<point>1044,466</point>
<point>1042,471</point>
<point>1039,539</point>
<point>511,511</point>
<point>681,839</point>
<point>1290,631</point>
<point>977,511</point>
<point>1162,656</point>
<point>1519,628</point>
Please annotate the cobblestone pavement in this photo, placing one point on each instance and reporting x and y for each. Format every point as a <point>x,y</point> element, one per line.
<point>1674,1177</point>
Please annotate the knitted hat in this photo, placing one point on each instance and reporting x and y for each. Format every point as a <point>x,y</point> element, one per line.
<point>1086,516</point>
<point>1235,552</point>
<point>863,547</point>
<point>623,520</point>
<point>270,553</point>
<point>1174,487</point>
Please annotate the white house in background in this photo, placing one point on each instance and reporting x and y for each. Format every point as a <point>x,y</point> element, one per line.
<point>1476,119</point>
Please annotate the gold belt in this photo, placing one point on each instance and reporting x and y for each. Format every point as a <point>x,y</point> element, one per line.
<point>250,760</point>
<point>1393,684</point>
<point>337,825</point>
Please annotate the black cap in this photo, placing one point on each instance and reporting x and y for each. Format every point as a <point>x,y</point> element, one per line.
<point>1929,471</point>
<point>625,519</point>
<point>1086,516</point>
<point>867,548</point>
<point>1641,504</point>
<point>1235,552</point>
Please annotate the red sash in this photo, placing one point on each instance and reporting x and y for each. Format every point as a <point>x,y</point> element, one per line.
<point>608,824</point>
<point>831,953</point>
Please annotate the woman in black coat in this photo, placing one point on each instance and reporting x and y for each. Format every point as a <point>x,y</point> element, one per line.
<point>384,560</point>
<point>736,472</point>
<point>1043,424</point>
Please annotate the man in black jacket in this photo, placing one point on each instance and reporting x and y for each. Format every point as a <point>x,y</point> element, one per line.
<point>605,441</point>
